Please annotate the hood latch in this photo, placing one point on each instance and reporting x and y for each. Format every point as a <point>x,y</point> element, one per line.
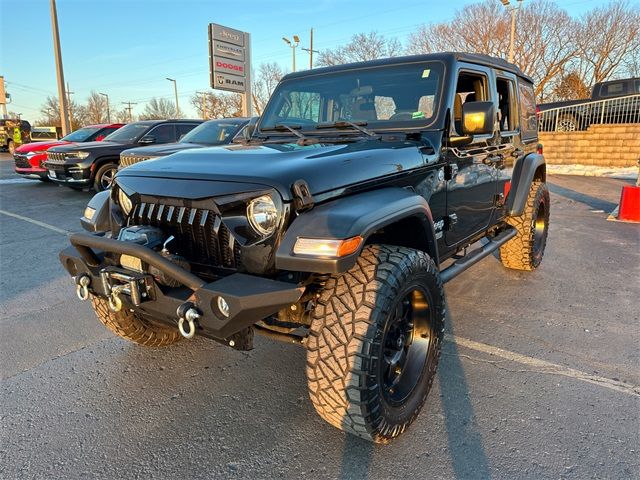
<point>302,198</point>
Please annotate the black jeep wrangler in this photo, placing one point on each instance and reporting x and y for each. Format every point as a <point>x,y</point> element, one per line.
<point>361,191</point>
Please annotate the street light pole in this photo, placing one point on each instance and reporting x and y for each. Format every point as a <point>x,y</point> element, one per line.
<point>513,11</point>
<point>108,110</point>
<point>293,45</point>
<point>175,89</point>
<point>62,97</point>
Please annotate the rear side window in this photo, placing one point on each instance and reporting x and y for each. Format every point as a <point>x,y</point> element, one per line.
<point>613,89</point>
<point>528,120</point>
<point>184,128</point>
<point>164,133</point>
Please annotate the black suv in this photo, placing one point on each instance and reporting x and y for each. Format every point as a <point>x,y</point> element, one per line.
<point>363,189</point>
<point>94,164</point>
<point>208,134</point>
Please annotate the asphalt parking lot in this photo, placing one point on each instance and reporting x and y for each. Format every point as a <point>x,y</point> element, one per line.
<point>539,377</point>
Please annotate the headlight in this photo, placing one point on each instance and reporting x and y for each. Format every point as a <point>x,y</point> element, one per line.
<point>77,155</point>
<point>125,202</point>
<point>263,215</point>
<point>33,154</point>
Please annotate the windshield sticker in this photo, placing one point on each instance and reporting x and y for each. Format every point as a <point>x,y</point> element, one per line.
<point>426,72</point>
<point>415,115</point>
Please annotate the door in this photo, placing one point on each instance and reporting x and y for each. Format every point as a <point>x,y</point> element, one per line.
<point>472,179</point>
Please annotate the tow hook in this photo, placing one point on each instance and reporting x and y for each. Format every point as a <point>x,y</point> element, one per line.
<point>82,287</point>
<point>115,302</point>
<point>189,314</point>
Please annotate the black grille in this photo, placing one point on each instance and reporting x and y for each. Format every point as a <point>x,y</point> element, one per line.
<point>21,161</point>
<point>201,237</point>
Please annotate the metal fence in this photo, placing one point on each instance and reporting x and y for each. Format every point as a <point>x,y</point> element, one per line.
<point>579,117</point>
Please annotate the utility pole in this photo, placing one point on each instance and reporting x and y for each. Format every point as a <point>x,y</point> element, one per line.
<point>129,108</point>
<point>311,50</point>
<point>3,97</point>
<point>293,45</point>
<point>69,93</point>
<point>108,110</point>
<point>62,98</point>
<point>513,11</point>
<point>175,89</point>
<point>204,104</point>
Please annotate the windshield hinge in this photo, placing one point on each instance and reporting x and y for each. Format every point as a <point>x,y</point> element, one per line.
<point>302,198</point>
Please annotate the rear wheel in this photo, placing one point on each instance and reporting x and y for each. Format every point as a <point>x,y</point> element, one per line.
<point>374,342</point>
<point>132,327</point>
<point>526,249</point>
<point>104,177</point>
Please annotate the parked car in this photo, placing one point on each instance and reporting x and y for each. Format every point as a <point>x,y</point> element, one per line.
<point>208,134</point>
<point>362,190</point>
<point>6,133</point>
<point>94,164</point>
<point>615,101</point>
<point>30,157</point>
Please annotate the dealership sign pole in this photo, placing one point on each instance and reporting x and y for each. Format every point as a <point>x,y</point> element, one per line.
<point>230,62</point>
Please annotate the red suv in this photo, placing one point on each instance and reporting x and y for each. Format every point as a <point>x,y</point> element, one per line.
<point>30,156</point>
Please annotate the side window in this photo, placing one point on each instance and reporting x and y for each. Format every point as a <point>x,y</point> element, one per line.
<point>528,118</point>
<point>164,133</point>
<point>471,87</point>
<point>507,106</point>
<point>613,89</point>
<point>184,128</point>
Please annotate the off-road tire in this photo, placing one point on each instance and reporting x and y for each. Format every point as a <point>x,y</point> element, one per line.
<point>99,179</point>
<point>525,250</point>
<point>132,327</point>
<point>345,351</point>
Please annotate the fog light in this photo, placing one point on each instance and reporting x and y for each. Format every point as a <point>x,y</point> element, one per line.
<point>89,212</point>
<point>321,247</point>
<point>223,306</point>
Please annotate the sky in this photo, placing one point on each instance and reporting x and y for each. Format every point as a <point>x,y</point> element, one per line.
<point>127,48</point>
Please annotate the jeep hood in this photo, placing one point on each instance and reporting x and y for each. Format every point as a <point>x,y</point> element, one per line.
<point>87,146</point>
<point>325,167</point>
<point>162,149</point>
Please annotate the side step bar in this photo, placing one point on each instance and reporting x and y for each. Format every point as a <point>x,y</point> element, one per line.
<point>476,255</point>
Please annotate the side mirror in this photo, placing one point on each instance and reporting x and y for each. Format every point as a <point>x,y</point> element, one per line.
<point>147,140</point>
<point>478,118</point>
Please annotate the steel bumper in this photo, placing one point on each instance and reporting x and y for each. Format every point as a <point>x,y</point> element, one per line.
<point>249,298</point>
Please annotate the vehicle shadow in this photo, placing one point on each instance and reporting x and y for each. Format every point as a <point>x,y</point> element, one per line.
<point>466,449</point>
<point>592,202</point>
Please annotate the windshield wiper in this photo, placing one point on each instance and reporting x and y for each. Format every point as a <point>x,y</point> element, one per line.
<point>281,127</point>
<point>346,124</point>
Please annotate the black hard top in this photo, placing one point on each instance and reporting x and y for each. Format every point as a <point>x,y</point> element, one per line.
<point>447,57</point>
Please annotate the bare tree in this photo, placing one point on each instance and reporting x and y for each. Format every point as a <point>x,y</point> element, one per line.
<point>97,108</point>
<point>159,108</point>
<point>51,114</point>
<point>542,49</point>
<point>362,47</point>
<point>217,104</point>
<point>122,116</point>
<point>609,41</point>
<point>268,76</point>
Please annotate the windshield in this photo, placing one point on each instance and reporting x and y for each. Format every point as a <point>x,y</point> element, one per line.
<point>82,134</point>
<point>214,132</point>
<point>397,96</point>
<point>129,133</point>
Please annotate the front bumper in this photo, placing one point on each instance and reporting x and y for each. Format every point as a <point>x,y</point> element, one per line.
<point>68,174</point>
<point>32,173</point>
<point>30,166</point>
<point>249,298</point>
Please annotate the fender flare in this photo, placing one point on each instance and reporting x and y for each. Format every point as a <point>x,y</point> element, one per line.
<point>524,172</point>
<point>360,214</point>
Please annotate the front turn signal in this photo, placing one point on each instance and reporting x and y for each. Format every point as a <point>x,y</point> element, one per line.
<point>322,247</point>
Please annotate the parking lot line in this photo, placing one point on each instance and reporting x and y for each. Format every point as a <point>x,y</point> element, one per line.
<point>535,365</point>
<point>36,222</point>
<point>542,366</point>
<point>14,181</point>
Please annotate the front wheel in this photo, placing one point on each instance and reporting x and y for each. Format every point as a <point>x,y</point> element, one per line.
<point>526,249</point>
<point>374,342</point>
<point>104,177</point>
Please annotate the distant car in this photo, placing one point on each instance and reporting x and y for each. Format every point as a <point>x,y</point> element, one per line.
<point>29,158</point>
<point>208,134</point>
<point>94,164</point>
